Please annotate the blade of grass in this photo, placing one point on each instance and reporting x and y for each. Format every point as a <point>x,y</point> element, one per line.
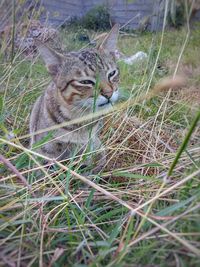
<point>184,143</point>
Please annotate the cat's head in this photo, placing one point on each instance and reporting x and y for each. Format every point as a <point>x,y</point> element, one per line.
<point>89,78</point>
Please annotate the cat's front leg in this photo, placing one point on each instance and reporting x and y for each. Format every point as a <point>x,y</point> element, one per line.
<point>99,156</point>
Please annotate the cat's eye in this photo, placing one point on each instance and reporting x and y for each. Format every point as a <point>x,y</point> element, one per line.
<point>111,74</point>
<point>87,82</point>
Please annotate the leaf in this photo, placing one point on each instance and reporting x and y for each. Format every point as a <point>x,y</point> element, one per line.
<point>108,215</point>
<point>90,197</point>
<point>153,164</point>
<point>47,199</point>
<point>115,232</point>
<point>43,140</point>
<point>169,210</point>
<point>19,222</point>
<point>133,175</point>
<point>1,105</point>
<point>22,162</point>
<point>184,143</point>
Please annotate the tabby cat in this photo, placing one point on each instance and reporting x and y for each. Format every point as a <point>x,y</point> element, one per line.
<point>80,81</point>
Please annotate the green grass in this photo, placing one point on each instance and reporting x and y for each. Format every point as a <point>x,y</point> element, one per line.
<point>130,215</point>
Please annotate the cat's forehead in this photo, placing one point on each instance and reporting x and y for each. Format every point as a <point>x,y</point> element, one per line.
<point>93,59</point>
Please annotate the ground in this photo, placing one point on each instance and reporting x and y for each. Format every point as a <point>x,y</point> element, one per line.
<point>133,214</point>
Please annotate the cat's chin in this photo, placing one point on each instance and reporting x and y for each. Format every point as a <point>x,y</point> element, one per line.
<point>88,106</point>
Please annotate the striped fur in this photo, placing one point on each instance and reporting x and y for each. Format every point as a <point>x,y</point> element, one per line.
<point>80,80</point>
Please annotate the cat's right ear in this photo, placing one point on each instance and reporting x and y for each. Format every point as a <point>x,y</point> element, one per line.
<point>52,59</point>
<point>109,43</point>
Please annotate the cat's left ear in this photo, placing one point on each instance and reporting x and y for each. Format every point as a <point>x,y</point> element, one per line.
<point>109,44</point>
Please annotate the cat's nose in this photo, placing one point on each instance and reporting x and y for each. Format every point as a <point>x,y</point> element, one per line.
<point>106,90</point>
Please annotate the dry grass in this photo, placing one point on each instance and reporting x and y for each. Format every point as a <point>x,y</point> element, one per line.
<point>132,214</point>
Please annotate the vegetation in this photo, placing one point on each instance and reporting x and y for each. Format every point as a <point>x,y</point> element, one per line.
<point>97,19</point>
<point>143,210</point>
<point>179,11</point>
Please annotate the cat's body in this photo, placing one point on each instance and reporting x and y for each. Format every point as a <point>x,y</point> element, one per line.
<point>82,82</point>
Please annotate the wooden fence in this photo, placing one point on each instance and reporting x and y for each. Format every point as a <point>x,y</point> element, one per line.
<point>139,13</point>
<point>144,14</point>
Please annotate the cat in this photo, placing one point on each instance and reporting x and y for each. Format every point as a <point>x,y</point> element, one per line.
<point>80,81</point>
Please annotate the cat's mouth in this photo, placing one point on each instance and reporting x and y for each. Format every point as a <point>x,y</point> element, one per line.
<point>105,104</point>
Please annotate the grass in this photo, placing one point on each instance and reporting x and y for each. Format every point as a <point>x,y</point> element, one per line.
<point>133,214</point>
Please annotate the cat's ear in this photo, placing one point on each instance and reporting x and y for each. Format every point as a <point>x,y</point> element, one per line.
<point>52,59</point>
<point>109,43</point>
